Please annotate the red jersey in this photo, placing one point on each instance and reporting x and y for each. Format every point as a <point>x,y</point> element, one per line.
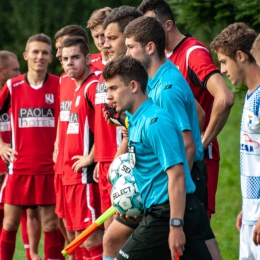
<point>95,70</point>
<point>67,88</point>
<point>34,114</point>
<point>107,138</point>
<point>5,130</point>
<point>194,61</point>
<point>96,61</point>
<point>80,133</point>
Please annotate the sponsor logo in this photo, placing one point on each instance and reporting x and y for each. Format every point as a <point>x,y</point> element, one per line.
<point>123,254</point>
<point>49,98</point>
<point>73,127</point>
<point>154,120</point>
<point>121,192</point>
<point>65,111</point>
<point>36,117</point>
<point>5,122</point>
<point>18,83</point>
<point>86,219</point>
<point>249,144</point>
<point>101,93</point>
<point>167,87</point>
<point>249,124</point>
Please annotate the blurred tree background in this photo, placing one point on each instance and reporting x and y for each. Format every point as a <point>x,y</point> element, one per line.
<point>204,19</point>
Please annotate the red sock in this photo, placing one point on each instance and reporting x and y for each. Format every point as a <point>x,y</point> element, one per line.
<point>24,234</point>
<point>1,220</point>
<point>7,244</point>
<point>78,254</point>
<point>96,252</point>
<point>85,254</point>
<point>62,243</point>
<point>51,245</point>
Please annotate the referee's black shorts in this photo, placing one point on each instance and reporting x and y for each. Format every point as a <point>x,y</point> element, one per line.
<point>150,239</point>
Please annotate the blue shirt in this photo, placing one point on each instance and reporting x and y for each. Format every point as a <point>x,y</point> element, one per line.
<point>158,145</point>
<point>168,89</point>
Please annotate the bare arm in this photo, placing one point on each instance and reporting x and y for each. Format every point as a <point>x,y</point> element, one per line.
<point>56,143</point>
<point>223,101</point>
<point>201,114</point>
<point>6,152</point>
<point>177,200</point>
<point>190,147</point>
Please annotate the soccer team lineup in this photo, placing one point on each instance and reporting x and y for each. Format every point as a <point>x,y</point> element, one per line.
<point>118,158</point>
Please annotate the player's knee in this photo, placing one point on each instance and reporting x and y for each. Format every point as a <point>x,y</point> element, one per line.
<point>94,239</point>
<point>11,224</point>
<point>50,224</point>
<point>70,235</point>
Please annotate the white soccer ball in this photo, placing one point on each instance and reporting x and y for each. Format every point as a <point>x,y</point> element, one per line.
<point>119,167</point>
<point>125,196</point>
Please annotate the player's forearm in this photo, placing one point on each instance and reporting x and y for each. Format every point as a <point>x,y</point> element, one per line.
<point>177,191</point>
<point>92,153</point>
<point>219,115</point>
<point>201,114</point>
<point>123,148</point>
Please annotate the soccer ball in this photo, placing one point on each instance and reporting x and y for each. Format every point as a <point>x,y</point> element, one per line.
<point>119,167</point>
<point>125,196</point>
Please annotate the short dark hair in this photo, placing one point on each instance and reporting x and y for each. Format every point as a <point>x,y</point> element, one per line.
<point>127,68</point>
<point>255,51</point>
<point>39,38</point>
<point>145,30</point>
<point>161,9</point>
<point>72,30</point>
<point>122,15</point>
<point>76,41</point>
<point>236,37</point>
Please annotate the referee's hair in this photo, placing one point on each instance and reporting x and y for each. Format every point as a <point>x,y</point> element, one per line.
<point>128,69</point>
<point>147,29</point>
<point>72,30</point>
<point>76,41</point>
<point>161,9</point>
<point>122,15</point>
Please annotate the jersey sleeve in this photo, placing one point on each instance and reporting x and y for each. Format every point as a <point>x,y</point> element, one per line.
<point>5,97</point>
<point>90,93</point>
<point>165,146</point>
<point>200,65</point>
<point>174,102</point>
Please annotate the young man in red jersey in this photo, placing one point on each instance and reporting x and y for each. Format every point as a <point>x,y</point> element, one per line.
<point>10,68</point>
<point>66,95</point>
<point>95,25</point>
<point>82,200</point>
<point>33,98</point>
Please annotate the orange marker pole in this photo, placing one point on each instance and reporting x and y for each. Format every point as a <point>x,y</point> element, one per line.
<point>70,248</point>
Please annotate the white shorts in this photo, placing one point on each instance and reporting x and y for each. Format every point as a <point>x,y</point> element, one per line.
<point>247,249</point>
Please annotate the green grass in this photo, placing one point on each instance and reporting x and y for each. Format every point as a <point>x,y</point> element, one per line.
<point>228,193</point>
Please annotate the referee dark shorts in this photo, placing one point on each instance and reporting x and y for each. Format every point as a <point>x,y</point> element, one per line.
<point>150,239</point>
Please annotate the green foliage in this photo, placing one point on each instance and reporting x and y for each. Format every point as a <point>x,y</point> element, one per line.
<point>21,19</point>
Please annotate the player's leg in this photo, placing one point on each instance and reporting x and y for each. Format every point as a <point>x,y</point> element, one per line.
<point>51,233</point>
<point>115,237</point>
<point>12,215</point>
<point>34,231</point>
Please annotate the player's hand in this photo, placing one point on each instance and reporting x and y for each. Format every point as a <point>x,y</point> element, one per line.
<point>96,173</point>
<point>82,161</point>
<point>55,154</point>
<point>176,241</point>
<point>124,133</point>
<point>113,117</point>
<point>7,154</point>
<point>256,233</point>
<point>239,221</point>
<point>132,220</point>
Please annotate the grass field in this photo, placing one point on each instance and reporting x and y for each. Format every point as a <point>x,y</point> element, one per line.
<point>228,194</point>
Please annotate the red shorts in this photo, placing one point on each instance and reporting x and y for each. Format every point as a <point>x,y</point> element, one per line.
<point>212,170</point>
<point>28,190</point>
<point>82,205</point>
<point>59,189</point>
<point>104,186</point>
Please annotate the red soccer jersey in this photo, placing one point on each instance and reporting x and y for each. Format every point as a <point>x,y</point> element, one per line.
<point>107,138</point>
<point>194,61</point>
<point>96,61</point>
<point>67,88</point>
<point>34,114</point>
<point>80,133</point>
